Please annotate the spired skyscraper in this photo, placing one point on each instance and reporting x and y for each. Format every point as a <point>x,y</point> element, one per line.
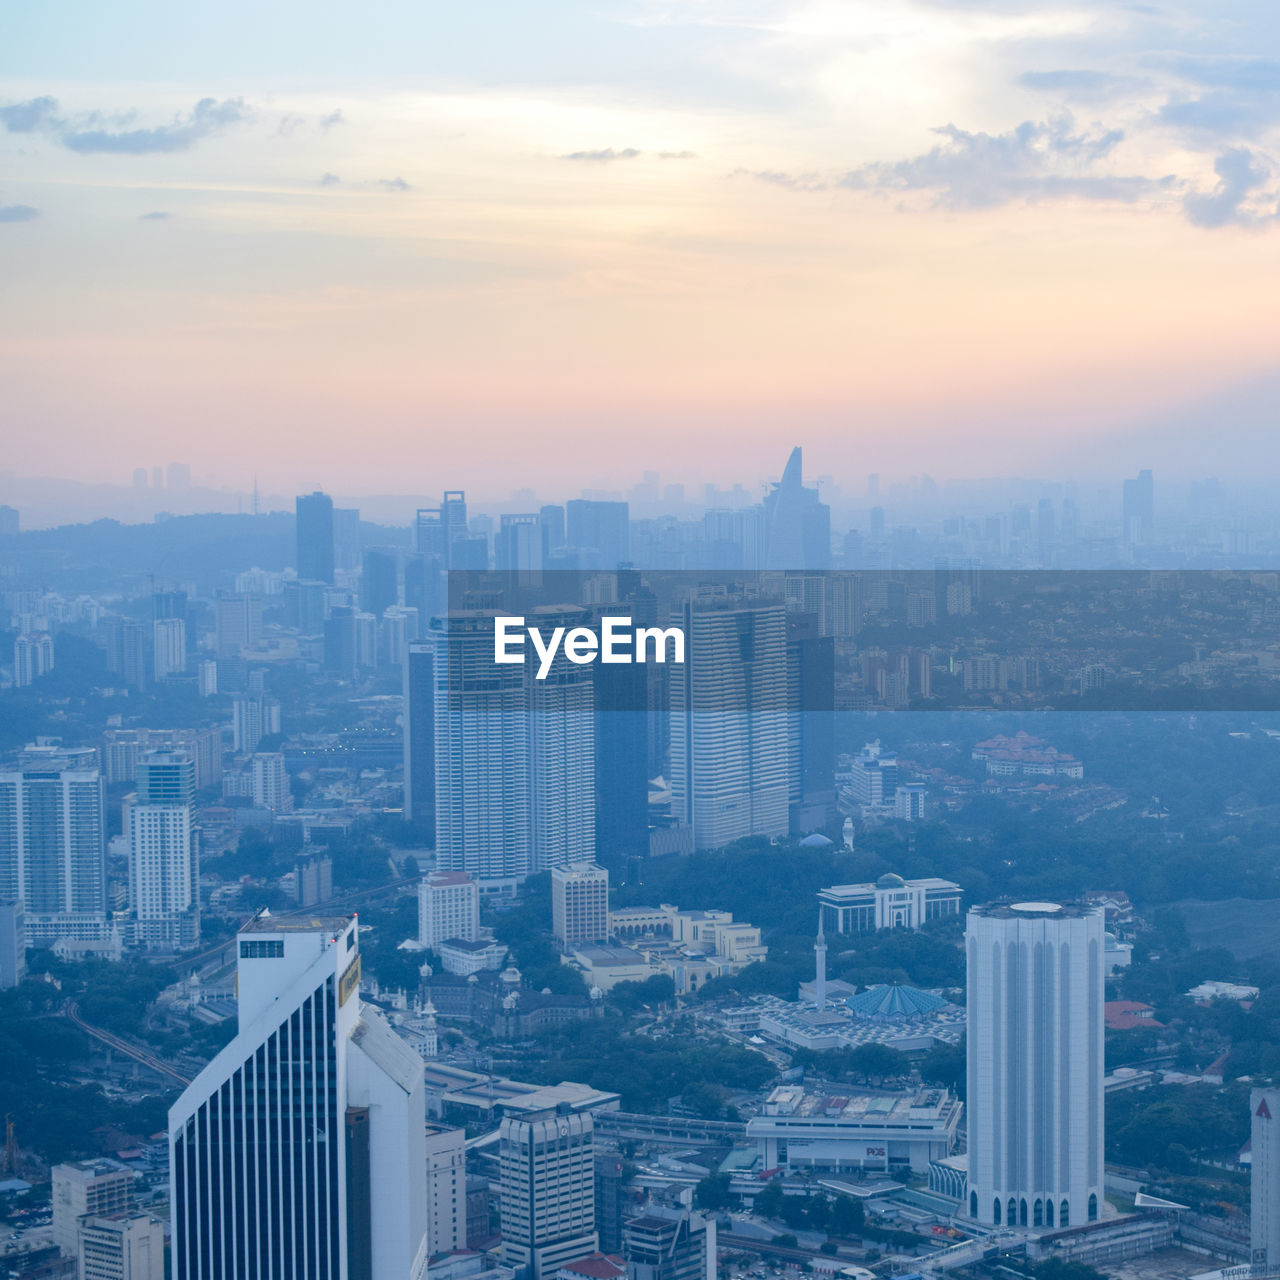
<point>798,523</point>
<point>299,1152</point>
<point>1035,1070</point>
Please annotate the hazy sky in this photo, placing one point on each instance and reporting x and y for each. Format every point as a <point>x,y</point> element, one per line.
<point>394,246</point>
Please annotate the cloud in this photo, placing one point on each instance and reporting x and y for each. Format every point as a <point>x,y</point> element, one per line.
<point>604,156</point>
<point>677,155</point>
<point>1072,83</point>
<point>207,117</point>
<point>333,118</point>
<point>18,213</point>
<point>778,178</point>
<point>156,215</point>
<point>30,116</point>
<point>1037,160</point>
<point>330,180</point>
<point>1241,174</point>
<point>1240,98</point>
<point>394,184</point>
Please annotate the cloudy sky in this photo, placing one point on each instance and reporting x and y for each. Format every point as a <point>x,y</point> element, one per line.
<point>394,246</point>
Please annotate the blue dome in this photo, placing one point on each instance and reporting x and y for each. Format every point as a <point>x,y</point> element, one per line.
<point>894,1001</point>
<point>815,841</point>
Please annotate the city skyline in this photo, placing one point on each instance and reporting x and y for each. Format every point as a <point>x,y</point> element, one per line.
<point>972,229</point>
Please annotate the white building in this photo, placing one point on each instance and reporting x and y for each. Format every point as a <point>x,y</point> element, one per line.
<point>121,1246</point>
<point>1035,973</point>
<point>169,647</point>
<point>890,903</point>
<point>1264,1181</point>
<point>32,658</point>
<point>909,802</point>
<point>86,1187</point>
<point>514,755</point>
<point>463,958</point>
<point>729,723</point>
<point>164,874</point>
<point>316,1105</point>
<point>868,779</point>
<point>269,782</point>
<point>579,904</point>
<point>548,1189</point>
<point>805,1130</point>
<point>446,1190</point>
<point>448,907</point>
<point>52,844</point>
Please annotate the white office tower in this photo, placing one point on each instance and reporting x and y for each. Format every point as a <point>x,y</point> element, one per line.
<point>548,1190</point>
<point>448,907</point>
<point>579,904</point>
<point>169,651</point>
<point>164,873</point>
<point>1035,1040</point>
<point>52,846</point>
<point>121,1246</point>
<point>298,1153</point>
<point>514,755</point>
<point>1264,1182</point>
<point>729,731</point>
<point>446,1190</point>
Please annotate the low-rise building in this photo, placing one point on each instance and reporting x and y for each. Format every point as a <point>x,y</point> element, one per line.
<point>800,1129</point>
<point>463,957</point>
<point>889,903</point>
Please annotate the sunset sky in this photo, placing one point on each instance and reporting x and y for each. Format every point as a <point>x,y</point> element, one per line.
<point>393,246</point>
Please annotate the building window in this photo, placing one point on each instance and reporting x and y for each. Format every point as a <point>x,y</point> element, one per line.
<point>1048,1213</point>
<point>995,1211</point>
<point>1093,1208</point>
<point>262,949</point>
<point>1022,1214</point>
<point>973,1204</point>
<point>1064,1218</point>
<point>1037,1214</point>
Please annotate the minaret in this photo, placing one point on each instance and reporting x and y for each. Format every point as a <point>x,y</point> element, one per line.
<point>820,965</point>
<point>429,1030</point>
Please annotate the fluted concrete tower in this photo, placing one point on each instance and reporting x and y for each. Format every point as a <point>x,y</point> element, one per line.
<point>1035,1069</point>
<point>820,966</point>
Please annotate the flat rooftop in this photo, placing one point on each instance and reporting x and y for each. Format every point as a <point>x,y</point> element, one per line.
<point>298,924</point>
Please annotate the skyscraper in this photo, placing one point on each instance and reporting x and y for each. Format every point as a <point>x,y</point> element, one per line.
<point>169,647</point>
<point>446,1190</point>
<point>448,907</point>
<point>579,904</point>
<point>52,843</point>
<point>379,587</point>
<point>599,531</point>
<point>798,522</point>
<point>127,651</point>
<point>420,737</point>
<point>314,528</point>
<point>32,658</point>
<point>1035,1067</point>
<point>514,755</point>
<point>1139,508</point>
<point>548,1189</point>
<point>519,546</point>
<point>729,752</point>
<point>299,1152</point>
<point>238,623</point>
<point>1264,1181</point>
<point>164,873</point>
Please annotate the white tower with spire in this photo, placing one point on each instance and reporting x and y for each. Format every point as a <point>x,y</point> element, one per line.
<point>431,1048</point>
<point>820,966</point>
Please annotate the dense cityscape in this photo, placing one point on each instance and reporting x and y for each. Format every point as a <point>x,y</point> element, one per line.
<point>899,903</point>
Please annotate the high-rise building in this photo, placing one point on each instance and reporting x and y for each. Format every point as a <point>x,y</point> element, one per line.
<point>670,1244</point>
<point>169,647</point>
<point>420,737</point>
<point>379,581</point>
<point>611,1181</point>
<point>254,716</point>
<point>164,872</point>
<point>314,528</point>
<point>729,748</point>
<point>579,904</point>
<point>340,642</point>
<point>448,907</point>
<point>299,1152</point>
<point>514,755</point>
<point>346,539</point>
<point>548,1189</point>
<point>1035,973</point>
<point>811,749</point>
<point>13,943</point>
<point>32,658</point>
<point>798,522</point>
<point>86,1187</point>
<point>121,1246</point>
<point>909,802</point>
<point>600,532</point>
<point>519,546</point>
<point>237,623</point>
<point>446,1190</point>
<point>269,782</point>
<point>52,843</point>
<point>1139,508</point>
<point>127,651</point>
<point>1264,1181</point>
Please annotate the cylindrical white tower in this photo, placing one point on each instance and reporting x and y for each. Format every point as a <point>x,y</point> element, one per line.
<point>1035,1069</point>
